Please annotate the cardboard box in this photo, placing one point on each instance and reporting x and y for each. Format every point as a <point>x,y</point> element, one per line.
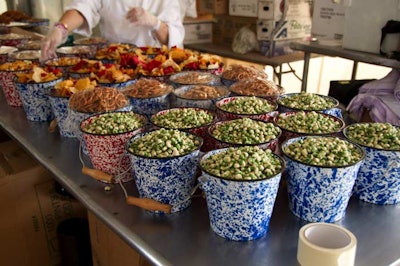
<point>273,9</point>
<point>292,28</point>
<point>108,248</point>
<point>225,27</point>
<point>217,7</point>
<point>245,8</point>
<point>364,20</point>
<point>197,31</point>
<point>31,210</point>
<point>328,20</point>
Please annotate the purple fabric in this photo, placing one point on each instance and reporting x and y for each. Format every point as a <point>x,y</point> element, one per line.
<point>381,98</point>
<point>382,86</point>
<point>378,109</point>
<point>397,90</point>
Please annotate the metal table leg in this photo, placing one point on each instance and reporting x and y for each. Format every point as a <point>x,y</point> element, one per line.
<point>305,71</point>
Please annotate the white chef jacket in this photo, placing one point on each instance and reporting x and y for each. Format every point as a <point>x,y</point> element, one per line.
<point>116,28</point>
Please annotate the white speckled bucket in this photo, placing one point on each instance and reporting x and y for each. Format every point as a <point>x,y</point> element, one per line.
<point>239,209</point>
<point>316,193</point>
<point>168,180</point>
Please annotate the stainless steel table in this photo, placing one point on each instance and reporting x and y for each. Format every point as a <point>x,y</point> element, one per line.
<point>310,47</point>
<point>186,238</point>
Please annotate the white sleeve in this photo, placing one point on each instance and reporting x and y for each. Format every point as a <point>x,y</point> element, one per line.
<point>171,15</point>
<point>90,11</point>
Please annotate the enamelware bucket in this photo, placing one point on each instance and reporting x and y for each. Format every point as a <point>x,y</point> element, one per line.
<point>378,179</point>
<point>35,100</point>
<point>9,88</point>
<point>169,180</point>
<point>319,193</point>
<point>106,151</point>
<point>59,106</point>
<point>239,209</point>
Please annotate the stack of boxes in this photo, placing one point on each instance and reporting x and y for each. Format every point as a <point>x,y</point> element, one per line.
<point>263,17</point>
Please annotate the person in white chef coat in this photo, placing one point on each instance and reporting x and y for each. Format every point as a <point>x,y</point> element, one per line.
<point>140,22</point>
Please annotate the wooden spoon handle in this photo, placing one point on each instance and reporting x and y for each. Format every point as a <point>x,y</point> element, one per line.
<point>148,204</point>
<point>97,174</point>
<point>52,126</point>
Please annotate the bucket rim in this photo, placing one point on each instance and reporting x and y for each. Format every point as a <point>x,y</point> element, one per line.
<point>282,161</point>
<point>359,148</point>
<point>286,95</point>
<point>214,115</point>
<point>162,158</point>
<point>289,113</point>
<point>346,128</point>
<point>140,116</point>
<point>216,123</point>
<point>233,98</point>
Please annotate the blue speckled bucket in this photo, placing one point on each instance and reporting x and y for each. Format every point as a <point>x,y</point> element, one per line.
<point>316,193</point>
<point>239,209</point>
<point>59,107</point>
<point>149,106</point>
<point>168,180</point>
<point>378,179</point>
<point>35,100</point>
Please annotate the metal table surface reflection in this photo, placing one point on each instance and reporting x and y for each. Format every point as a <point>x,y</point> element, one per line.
<point>186,238</point>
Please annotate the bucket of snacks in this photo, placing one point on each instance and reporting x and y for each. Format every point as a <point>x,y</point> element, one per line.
<point>194,78</point>
<point>8,71</point>
<point>88,102</point>
<point>309,102</point>
<point>321,171</point>
<point>236,72</point>
<point>378,179</point>
<point>59,99</point>
<point>82,51</point>
<point>200,96</point>
<point>148,96</point>
<point>257,87</point>
<point>30,45</point>
<point>32,88</point>
<point>190,119</point>
<point>164,164</point>
<point>246,106</point>
<point>5,51</point>
<point>31,55</point>
<point>244,132</point>
<point>63,63</point>
<point>196,61</point>
<point>158,67</point>
<point>112,52</point>
<point>13,39</point>
<point>300,123</point>
<point>111,75</point>
<point>96,42</point>
<point>240,199</point>
<point>105,136</point>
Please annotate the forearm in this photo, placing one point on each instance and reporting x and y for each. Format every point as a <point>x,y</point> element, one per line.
<point>72,19</point>
<point>162,33</point>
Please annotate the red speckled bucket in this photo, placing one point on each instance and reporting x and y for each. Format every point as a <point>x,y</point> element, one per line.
<point>106,151</point>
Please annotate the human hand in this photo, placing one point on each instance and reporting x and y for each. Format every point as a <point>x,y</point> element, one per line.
<point>56,36</point>
<point>138,16</point>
